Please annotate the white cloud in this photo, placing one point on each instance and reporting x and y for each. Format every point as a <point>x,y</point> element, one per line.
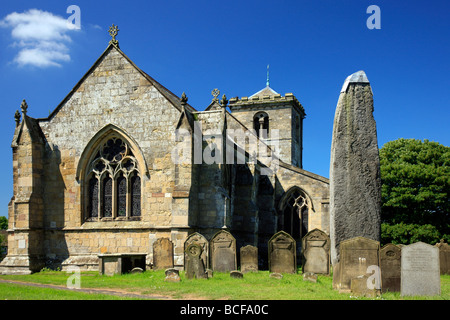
<point>41,37</point>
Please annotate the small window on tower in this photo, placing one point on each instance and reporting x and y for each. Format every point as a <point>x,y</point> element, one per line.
<point>261,124</point>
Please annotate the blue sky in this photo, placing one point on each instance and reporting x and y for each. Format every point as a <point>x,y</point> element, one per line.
<point>196,46</point>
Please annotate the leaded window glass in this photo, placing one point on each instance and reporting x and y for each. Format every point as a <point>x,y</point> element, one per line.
<point>121,196</point>
<point>107,197</point>
<point>120,182</point>
<point>135,196</point>
<point>93,197</point>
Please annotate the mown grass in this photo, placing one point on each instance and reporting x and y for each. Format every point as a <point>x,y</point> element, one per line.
<point>254,286</point>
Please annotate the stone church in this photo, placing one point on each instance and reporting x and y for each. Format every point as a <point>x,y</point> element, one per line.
<point>98,174</point>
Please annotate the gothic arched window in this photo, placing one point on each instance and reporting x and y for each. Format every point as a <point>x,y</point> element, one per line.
<point>294,214</point>
<point>113,190</point>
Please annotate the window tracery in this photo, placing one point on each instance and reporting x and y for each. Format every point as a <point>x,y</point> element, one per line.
<point>114,184</point>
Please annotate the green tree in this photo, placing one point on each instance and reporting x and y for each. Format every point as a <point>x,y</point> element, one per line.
<point>415,191</point>
<point>3,223</point>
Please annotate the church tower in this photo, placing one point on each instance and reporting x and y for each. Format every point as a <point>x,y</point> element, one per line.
<point>266,111</point>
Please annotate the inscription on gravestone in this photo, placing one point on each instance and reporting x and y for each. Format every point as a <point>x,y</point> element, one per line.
<point>282,253</point>
<point>420,273</point>
<point>316,252</point>
<point>223,252</point>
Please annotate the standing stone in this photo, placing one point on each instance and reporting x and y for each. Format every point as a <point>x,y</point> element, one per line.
<point>194,266</point>
<point>444,257</point>
<point>249,259</point>
<point>357,255</point>
<point>390,256</point>
<point>420,270</point>
<point>282,253</point>
<point>316,252</point>
<point>355,184</point>
<point>223,252</point>
<point>162,254</point>
<point>199,239</point>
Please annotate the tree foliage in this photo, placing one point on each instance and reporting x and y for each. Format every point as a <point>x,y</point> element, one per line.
<point>415,191</point>
<point>3,223</point>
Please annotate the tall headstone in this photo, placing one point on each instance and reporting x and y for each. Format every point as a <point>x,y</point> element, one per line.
<point>316,252</point>
<point>390,256</point>
<point>444,256</point>
<point>282,253</point>
<point>420,270</point>
<point>223,252</point>
<point>359,257</point>
<point>355,184</point>
<point>162,254</point>
<point>249,259</point>
<point>199,239</point>
<point>194,266</point>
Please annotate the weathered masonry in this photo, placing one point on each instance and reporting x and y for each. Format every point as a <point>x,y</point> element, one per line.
<point>97,175</point>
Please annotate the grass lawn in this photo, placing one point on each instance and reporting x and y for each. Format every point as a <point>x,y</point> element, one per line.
<point>254,286</point>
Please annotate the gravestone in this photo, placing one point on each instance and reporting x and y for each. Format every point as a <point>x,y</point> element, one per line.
<point>390,256</point>
<point>282,253</point>
<point>236,274</point>
<point>420,274</point>
<point>356,256</point>
<point>359,288</point>
<point>172,275</point>
<point>199,239</point>
<point>316,252</point>
<point>223,252</point>
<point>249,259</point>
<point>355,183</point>
<point>310,276</point>
<point>162,254</point>
<point>444,257</point>
<point>193,263</point>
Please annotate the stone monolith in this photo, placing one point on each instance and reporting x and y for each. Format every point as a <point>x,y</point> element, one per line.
<point>355,184</point>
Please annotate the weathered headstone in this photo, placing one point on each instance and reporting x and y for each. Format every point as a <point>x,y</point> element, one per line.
<point>355,184</point>
<point>444,257</point>
<point>203,243</point>
<point>420,270</point>
<point>390,256</point>
<point>316,252</point>
<point>193,263</point>
<point>236,274</point>
<point>162,254</point>
<point>172,275</point>
<point>309,276</point>
<point>223,252</point>
<point>356,256</point>
<point>359,288</point>
<point>282,253</point>
<point>249,259</point>
<point>276,275</point>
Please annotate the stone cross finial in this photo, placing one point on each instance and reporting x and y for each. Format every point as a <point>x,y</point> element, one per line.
<point>183,99</point>
<point>17,117</point>
<point>24,107</point>
<point>215,93</point>
<point>113,31</point>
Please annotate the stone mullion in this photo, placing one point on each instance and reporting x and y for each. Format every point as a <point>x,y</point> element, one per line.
<point>99,195</point>
<point>128,197</point>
